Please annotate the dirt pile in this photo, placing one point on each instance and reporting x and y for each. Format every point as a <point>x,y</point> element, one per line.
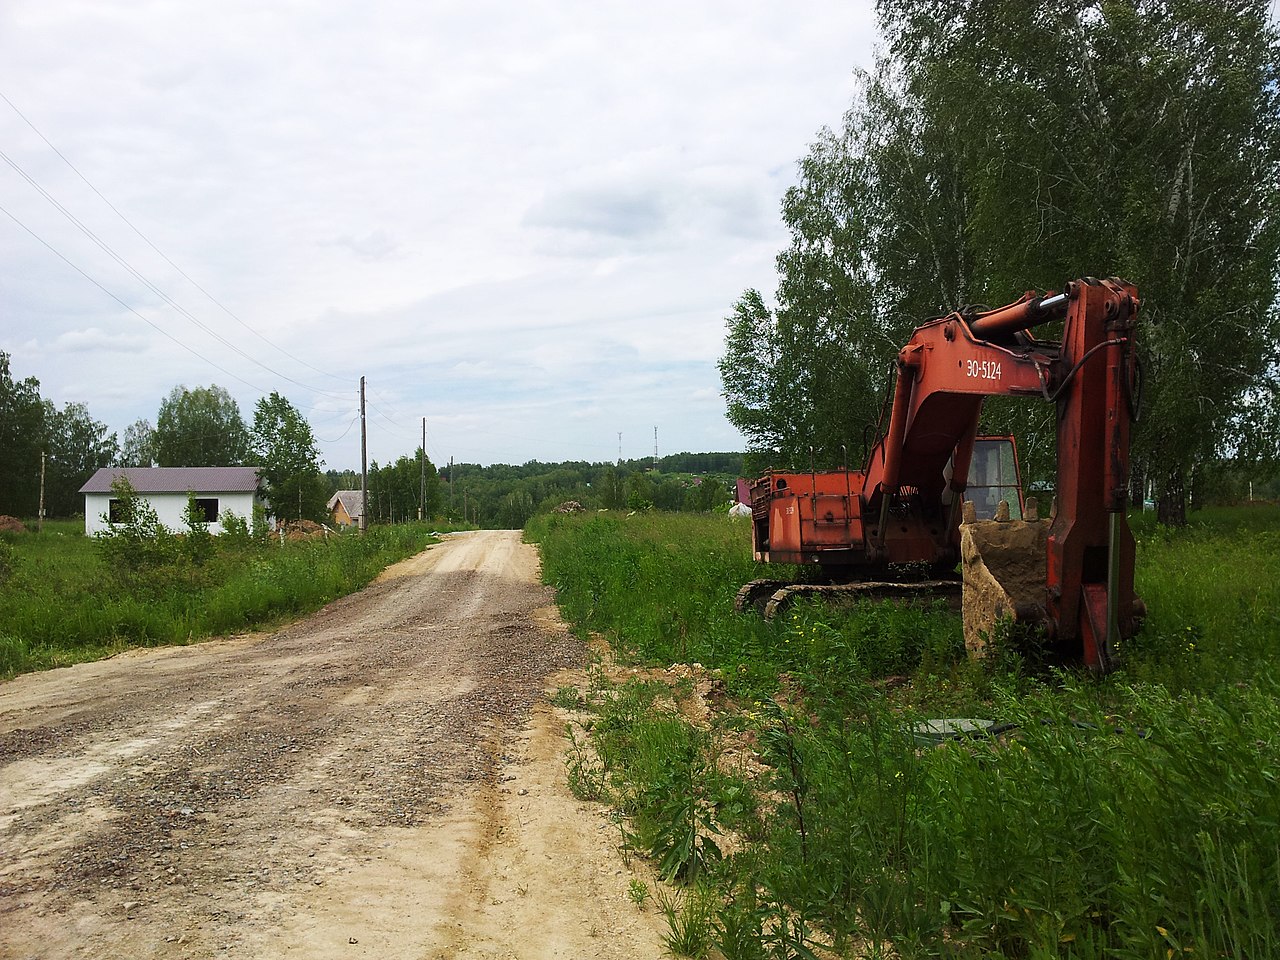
<point>569,506</point>
<point>11,525</point>
<point>302,530</point>
<point>1003,564</point>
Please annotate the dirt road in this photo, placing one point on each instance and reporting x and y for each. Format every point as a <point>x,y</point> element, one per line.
<point>379,780</point>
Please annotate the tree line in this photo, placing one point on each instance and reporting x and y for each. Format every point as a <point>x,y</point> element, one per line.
<point>997,147</point>
<point>203,426</point>
<point>505,496</point>
<point>195,426</point>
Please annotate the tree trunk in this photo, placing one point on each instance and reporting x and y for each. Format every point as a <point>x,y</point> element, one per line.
<point>1171,505</point>
<point>1137,485</point>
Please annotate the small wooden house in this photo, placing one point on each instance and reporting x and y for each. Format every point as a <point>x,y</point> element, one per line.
<point>345,506</point>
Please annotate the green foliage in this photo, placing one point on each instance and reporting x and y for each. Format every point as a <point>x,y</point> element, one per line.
<point>74,445</point>
<point>586,772</point>
<point>235,529</point>
<point>198,542</point>
<point>638,892</point>
<point>286,451</point>
<point>135,540</point>
<point>72,598</point>
<point>22,427</point>
<point>77,446</point>
<point>1211,592</point>
<point>397,490</point>
<point>688,914</point>
<point>138,446</point>
<point>508,496</point>
<point>8,562</point>
<point>200,427</point>
<point>995,148</point>
<point>601,564</point>
<point>681,824</point>
<point>1136,816</point>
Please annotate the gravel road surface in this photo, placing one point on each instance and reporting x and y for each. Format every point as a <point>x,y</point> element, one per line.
<point>383,779</point>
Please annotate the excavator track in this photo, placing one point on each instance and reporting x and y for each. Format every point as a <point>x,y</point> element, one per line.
<point>774,597</point>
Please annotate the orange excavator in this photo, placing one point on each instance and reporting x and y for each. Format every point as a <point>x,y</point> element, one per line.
<point>934,494</point>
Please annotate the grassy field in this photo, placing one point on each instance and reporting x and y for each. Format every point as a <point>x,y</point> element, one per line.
<point>64,599</point>
<point>1137,816</point>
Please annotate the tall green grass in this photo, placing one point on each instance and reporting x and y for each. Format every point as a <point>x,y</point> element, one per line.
<point>1213,598</point>
<point>62,601</point>
<point>1136,816</point>
<point>661,587</point>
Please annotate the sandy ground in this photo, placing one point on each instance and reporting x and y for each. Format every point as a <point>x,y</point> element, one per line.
<point>383,779</point>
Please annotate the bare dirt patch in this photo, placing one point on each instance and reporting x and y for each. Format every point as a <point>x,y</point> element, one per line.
<point>382,779</point>
<point>11,524</point>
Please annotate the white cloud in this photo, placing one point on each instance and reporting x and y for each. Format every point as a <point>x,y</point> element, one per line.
<point>525,222</point>
<point>94,340</point>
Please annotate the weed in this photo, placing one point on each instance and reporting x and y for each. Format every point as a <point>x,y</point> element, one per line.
<point>1134,816</point>
<point>625,837</point>
<point>637,892</point>
<point>567,697</point>
<point>8,561</point>
<point>683,823</point>
<point>688,914</point>
<point>71,598</point>
<point>587,773</point>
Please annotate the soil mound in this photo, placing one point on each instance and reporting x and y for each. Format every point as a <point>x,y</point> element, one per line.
<point>1003,565</point>
<point>11,525</point>
<point>303,530</point>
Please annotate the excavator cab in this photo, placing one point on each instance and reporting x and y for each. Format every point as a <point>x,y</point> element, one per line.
<point>1002,554</point>
<point>994,477</point>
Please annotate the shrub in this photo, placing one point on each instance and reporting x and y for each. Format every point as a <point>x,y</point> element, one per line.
<point>198,541</point>
<point>235,529</point>
<point>136,539</point>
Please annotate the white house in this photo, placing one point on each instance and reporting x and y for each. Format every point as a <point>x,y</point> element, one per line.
<point>216,489</point>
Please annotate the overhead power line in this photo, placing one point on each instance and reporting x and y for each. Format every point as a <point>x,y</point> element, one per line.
<point>343,433</point>
<point>159,329</point>
<point>106,248</point>
<point>147,240</point>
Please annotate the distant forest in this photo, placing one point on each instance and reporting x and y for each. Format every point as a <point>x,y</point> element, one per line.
<point>506,496</point>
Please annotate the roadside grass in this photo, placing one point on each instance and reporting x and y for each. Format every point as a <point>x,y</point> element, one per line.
<point>1136,816</point>
<point>1213,598</point>
<point>63,601</point>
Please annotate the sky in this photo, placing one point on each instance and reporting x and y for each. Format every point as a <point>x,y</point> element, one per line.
<point>525,222</point>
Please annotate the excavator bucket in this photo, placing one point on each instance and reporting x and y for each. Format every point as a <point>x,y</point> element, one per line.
<point>1003,565</point>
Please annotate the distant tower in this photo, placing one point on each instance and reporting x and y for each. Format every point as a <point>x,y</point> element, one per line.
<point>619,448</point>
<point>655,448</point>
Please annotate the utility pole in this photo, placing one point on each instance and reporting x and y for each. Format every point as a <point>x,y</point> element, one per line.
<point>364,465</point>
<point>40,516</point>
<point>451,488</point>
<point>422,483</point>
